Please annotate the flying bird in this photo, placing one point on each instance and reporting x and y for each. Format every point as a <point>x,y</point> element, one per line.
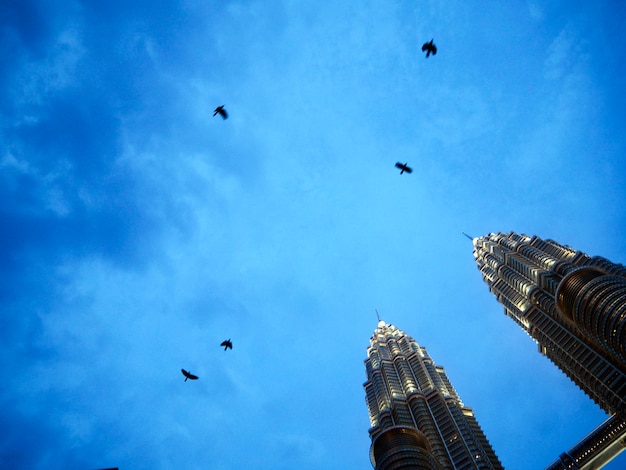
<point>189,375</point>
<point>221,111</point>
<point>403,167</point>
<point>227,344</point>
<point>430,48</point>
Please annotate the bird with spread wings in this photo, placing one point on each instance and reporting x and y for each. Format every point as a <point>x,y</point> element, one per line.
<point>429,48</point>
<point>227,344</point>
<point>403,167</point>
<point>221,111</point>
<point>189,375</point>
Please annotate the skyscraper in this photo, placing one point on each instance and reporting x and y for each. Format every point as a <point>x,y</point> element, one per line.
<point>574,307</point>
<point>417,418</point>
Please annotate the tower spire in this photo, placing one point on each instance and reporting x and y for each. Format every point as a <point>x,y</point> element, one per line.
<point>377,314</point>
<point>471,238</point>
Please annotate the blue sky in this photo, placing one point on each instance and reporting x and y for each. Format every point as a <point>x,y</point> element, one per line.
<point>138,231</point>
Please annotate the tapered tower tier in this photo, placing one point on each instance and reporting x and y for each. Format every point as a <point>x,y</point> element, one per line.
<point>571,304</point>
<point>418,420</point>
<point>574,306</point>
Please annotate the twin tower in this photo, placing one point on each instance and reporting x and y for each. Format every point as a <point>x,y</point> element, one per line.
<point>571,304</point>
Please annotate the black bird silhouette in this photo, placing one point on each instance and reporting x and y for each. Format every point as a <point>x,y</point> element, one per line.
<point>189,375</point>
<point>221,111</point>
<point>430,48</point>
<point>403,167</point>
<point>227,344</point>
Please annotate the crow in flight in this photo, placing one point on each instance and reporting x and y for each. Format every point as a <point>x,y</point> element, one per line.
<point>189,375</point>
<point>403,168</point>
<point>221,111</point>
<point>430,48</point>
<point>227,344</point>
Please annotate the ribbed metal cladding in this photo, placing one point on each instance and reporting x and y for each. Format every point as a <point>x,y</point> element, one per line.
<point>418,419</point>
<point>573,306</point>
<point>571,286</point>
<point>586,295</point>
<point>596,303</point>
<point>402,447</point>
